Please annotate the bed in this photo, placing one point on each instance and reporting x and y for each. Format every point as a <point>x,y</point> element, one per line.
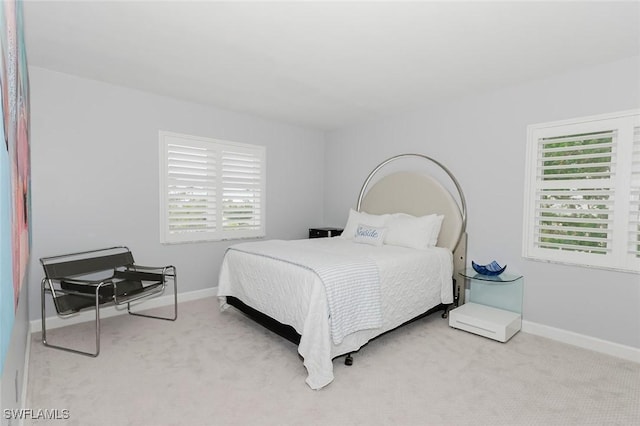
<point>394,263</point>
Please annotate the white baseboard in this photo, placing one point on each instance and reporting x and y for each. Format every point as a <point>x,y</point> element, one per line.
<point>166,300</point>
<point>603,346</point>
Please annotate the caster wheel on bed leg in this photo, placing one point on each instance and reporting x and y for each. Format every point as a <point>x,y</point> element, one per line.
<point>348,360</point>
<point>445,314</point>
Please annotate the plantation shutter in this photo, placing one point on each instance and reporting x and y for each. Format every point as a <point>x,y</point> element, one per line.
<point>582,192</point>
<point>574,200</point>
<point>210,190</point>
<point>242,193</point>
<point>191,190</point>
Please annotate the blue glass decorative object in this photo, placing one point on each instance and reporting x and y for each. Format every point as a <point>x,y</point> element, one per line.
<point>491,269</point>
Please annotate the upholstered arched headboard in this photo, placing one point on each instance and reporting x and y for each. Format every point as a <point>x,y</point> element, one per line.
<point>420,194</point>
<point>416,195</point>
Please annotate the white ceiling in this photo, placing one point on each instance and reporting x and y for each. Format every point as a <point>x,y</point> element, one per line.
<point>325,64</point>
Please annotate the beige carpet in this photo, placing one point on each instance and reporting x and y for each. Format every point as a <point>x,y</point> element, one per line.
<point>212,368</point>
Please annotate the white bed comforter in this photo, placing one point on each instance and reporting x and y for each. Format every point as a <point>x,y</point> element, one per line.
<point>351,282</point>
<point>411,282</point>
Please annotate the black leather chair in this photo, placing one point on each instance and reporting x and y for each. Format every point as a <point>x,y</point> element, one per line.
<point>96,278</point>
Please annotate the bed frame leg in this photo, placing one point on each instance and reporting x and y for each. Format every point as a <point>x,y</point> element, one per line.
<point>348,360</point>
<point>445,313</point>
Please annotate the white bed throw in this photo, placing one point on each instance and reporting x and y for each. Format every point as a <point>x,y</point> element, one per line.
<point>352,283</point>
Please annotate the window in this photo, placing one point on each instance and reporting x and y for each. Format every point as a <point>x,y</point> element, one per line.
<point>210,190</point>
<point>582,192</point>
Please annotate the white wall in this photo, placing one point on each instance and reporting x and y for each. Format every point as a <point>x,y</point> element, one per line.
<point>482,140</point>
<point>94,156</point>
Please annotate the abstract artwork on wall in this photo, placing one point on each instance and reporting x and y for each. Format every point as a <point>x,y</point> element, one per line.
<point>15,193</point>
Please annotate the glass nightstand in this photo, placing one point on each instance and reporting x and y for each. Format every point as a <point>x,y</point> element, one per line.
<point>502,291</point>
<point>494,305</point>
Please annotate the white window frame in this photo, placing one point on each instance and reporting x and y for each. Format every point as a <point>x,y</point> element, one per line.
<point>221,170</point>
<point>623,231</point>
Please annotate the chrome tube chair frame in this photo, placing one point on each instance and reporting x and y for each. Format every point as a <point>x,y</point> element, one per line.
<point>69,278</point>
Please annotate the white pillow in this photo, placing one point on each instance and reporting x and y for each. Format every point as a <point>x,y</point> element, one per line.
<point>369,235</point>
<point>356,218</point>
<point>435,231</point>
<point>413,232</point>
